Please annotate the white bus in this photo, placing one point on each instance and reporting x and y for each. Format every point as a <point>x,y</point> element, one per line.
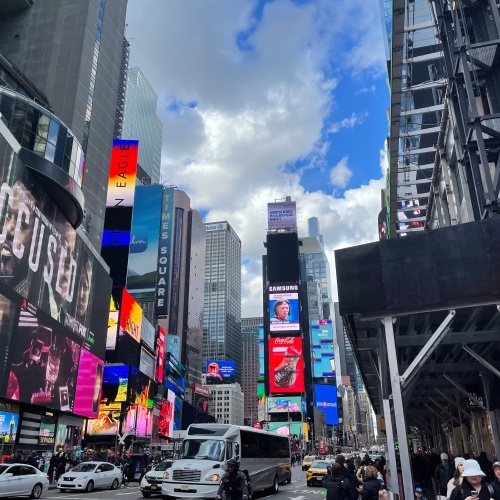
<point>207,448</point>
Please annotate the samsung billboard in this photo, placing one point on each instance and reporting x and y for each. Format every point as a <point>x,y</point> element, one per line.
<point>284,308</point>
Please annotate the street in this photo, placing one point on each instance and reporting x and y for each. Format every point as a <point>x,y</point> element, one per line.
<point>296,490</point>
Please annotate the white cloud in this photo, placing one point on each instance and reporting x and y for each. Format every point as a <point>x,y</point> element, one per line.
<point>256,112</point>
<point>350,122</point>
<point>340,174</point>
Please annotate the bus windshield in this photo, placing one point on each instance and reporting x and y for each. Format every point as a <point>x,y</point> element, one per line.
<point>203,449</point>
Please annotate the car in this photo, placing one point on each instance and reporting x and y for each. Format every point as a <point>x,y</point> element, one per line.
<point>22,480</point>
<point>88,476</point>
<point>316,472</point>
<point>307,461</point>
<point>151,482</point>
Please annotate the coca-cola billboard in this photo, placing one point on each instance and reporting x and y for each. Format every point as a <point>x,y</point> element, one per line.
<point>286,365</point>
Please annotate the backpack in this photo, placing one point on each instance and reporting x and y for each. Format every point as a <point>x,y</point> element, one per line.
<point>336,490</point>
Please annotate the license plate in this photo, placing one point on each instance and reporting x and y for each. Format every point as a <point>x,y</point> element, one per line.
<point>154,487</point>
<point>185,487</point>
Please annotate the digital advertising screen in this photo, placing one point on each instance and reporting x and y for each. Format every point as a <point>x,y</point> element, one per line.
<point>89,385</point>
<point>148,333</point>
<point>44,364</point>
<point>122,173</point>
<point>286,428</point>
<point>325,400</point>
<point>47,432</point>
<point>165,245</point>
<point>131,316</point>
<point>262,363</point>
<point>286,365</point>
<point>293,404</point>
<point>322,348</point>
<point>114,318</point>
<point>160,354</point>
<point>284,308</point>
<point>220,372</point>
<point>166,420</point>
<point>145,232</point>
<point>107,423</point>
<point>115,384</point>
<point>9,422</point>
<point>46,263</point>
<point>147,364</point>
<point>282,215</point>
<point>174,345</point>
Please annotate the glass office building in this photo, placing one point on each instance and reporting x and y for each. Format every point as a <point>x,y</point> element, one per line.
<point>222,303</point>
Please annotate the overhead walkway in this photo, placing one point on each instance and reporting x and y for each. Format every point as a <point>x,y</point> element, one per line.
<point>423,316</point>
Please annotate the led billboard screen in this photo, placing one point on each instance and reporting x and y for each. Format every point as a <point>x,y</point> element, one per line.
<point>166,420</point>
<point>325,400</point>
<point>8,426</point>
<point>293,404</point>
<point>282,215</point>
<point>143,257</point>
<point>220,372</point>
<point>148,333</point>
<point>88,385</point>
<point>165,251</point>
<point>174,345</point>
<point>282,260</point>
<point>322,348</point>
<point>107,423</point>
<point>122,173</point>
<point>130,316</point>
<point>160,354</point>
<point>262,364</point>
<point>284,308</point>
<point>286,365</point>
<point>115,384</point>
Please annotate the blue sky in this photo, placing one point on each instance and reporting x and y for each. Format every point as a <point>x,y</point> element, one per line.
<point>266,99</point>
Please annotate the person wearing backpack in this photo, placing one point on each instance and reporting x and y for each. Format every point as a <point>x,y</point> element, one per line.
<point>371,484</point>
<point>337,486</point>
<point>474,485</point>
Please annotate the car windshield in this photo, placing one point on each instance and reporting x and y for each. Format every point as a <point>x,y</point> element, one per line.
<point>163,465</point>
<point>308,459</point>
<point>204,449</point>
<point>83,467</point>
<point>320,465</point>
<point>3,468</point>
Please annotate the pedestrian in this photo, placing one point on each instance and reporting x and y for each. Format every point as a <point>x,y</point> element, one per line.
<point>457,477</point>
<point>293,459</point>
<point>371,484</point>
<point>419,494</point>
<point>486,466</point>
<point>233,483</point>
<point>337,486</point>
<point>496,482</point>
<point>473,481</point>
<point>443,474</point>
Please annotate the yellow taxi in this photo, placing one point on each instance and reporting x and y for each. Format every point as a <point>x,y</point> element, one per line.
<point>307,461</point>
<point>317,471</point>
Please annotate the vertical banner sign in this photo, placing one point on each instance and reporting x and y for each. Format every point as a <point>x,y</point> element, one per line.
<point>119,206</point>
<point>262,364</point>
<point>160,351</point>
<point>165,251</point>
<point>322,348</point>
<point>142,261</point>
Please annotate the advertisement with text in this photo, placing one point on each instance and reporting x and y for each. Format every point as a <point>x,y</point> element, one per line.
<point>284,308</point>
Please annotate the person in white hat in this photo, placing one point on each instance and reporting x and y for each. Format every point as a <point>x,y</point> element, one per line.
<point>473,486</point>
<point>457,477</point>
<point>442,474</point>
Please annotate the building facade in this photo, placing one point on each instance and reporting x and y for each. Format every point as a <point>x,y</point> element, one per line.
<point>250,370</point>
<point>141,122</point>
<point>222,300</point>
<point>72,51</point>
<point>227,403</point>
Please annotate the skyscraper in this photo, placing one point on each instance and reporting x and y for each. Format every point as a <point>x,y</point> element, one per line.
<point>72,52</point>
<point>313,229</point>
<point>141,122</point>
<point>222,310</point>
<point>250,372</point>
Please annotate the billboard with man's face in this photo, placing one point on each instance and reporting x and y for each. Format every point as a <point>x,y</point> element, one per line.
<point>220,372</point>
<point>286,365</point>
<point>284,308</point>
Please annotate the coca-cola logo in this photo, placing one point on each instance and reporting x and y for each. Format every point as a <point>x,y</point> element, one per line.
<point>284,340</point>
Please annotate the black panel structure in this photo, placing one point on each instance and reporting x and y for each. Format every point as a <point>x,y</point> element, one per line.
<point>454,266</point>
<point>282,257</point>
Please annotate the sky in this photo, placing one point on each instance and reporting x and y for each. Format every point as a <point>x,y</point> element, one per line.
<point>263,99</point>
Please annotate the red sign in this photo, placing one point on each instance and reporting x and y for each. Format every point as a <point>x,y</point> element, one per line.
<point>286,365</point>
<point>203,390</point>
<point>160,351</point>
<point>131,316</point>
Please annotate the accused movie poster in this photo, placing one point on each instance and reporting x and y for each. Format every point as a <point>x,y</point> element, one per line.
<point>286,365</point>
<point>54,292</point>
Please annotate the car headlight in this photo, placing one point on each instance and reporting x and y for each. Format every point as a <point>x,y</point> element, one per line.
<point>212,477</point>
<point>165,475</point>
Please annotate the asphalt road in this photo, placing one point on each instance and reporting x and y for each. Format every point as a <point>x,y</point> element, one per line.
<point>296,490</point>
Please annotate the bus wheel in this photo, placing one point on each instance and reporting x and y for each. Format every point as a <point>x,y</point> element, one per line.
<point>276,485</point>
